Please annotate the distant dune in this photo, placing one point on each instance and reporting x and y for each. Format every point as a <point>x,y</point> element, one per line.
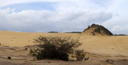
<point>96,29</point>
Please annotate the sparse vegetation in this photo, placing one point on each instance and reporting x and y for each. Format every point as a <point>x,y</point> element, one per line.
<point>52,32</point>
<point>100,28</point>
<point>73,32</point>
<point>119,34</point>
<point>54,48</point>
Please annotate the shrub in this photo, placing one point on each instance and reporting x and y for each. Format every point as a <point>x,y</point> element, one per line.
<point>54,47</point>
<point>9,57</point>
<point>80,54</point>
<point>25,49</point>
<point>109,61</point>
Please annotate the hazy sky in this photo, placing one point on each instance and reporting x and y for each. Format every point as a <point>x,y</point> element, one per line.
<point>63,15</point>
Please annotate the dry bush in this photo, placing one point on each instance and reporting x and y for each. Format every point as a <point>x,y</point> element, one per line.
<point>80,54</point>
<point>54,47</point>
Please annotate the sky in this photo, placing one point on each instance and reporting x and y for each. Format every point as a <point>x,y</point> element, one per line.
<point>63,15</point>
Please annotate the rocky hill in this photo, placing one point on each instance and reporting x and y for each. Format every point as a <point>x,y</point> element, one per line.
<point>96,29</point>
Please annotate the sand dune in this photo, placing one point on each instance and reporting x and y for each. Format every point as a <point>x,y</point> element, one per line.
<point>107,45</point>
<point>99,48</point>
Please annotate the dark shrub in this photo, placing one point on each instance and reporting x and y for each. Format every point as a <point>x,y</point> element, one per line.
<point>9,57</point>
<point>54,47</point>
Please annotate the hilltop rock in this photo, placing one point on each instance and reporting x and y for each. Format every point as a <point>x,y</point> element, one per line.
<point>96,29</point>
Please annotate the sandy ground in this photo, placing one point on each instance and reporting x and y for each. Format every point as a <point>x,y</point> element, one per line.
<point>102,50</point>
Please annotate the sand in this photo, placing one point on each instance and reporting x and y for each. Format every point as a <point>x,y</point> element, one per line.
<point>103,47</point>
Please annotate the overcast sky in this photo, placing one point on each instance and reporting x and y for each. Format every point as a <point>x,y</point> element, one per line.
<point>63,15</point>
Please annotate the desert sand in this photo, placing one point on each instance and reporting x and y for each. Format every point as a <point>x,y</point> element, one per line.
<point>99,49</point>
